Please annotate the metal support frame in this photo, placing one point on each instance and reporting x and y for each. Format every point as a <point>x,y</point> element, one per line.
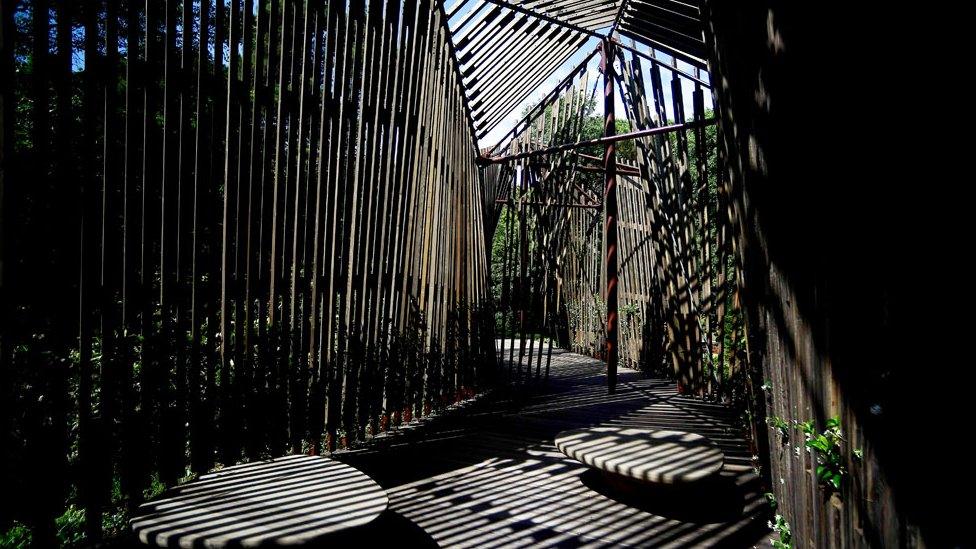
<point>624,169</point>
<point>610,205</point>
<point>510,202</point>
<point>606,139</point>
<point>599,169</point>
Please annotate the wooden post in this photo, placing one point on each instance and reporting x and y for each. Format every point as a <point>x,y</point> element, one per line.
<point>610,203</point>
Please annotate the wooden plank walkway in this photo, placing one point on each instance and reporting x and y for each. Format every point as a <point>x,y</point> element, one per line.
<point>490,476</point>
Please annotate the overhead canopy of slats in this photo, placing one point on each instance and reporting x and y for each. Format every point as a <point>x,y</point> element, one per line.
<point>506,49</point>
<point>505,53</point>
<point>667,25</point>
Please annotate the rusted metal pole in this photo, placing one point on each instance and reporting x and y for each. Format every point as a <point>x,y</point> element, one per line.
<point>610,203</point>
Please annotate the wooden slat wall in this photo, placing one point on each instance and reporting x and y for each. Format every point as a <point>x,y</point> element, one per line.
<point>675,297</point>
<point>535,225</point>
<point>230,229</point>
<point>665,223</point>
<point>842,321</point>
<point>673,243</point>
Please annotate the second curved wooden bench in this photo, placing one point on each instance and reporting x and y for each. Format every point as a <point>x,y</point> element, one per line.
<point>649,455</point>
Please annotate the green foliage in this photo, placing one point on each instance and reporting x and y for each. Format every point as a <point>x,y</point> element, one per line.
<point>826,444</point>
<point>71,526</point>
<point>780,425</point>
<point>781,527</point>
<point>115,522</point>
<point>155,488</point>
<point>593,129</point>
<point>629,310</point>
<point>504,284</point>
<point>70,530</point>
<point>17,536</point>
<point>630,317</point>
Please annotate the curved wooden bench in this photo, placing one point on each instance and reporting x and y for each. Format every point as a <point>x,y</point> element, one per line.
<point>285,501</point>
<point>650,455</point>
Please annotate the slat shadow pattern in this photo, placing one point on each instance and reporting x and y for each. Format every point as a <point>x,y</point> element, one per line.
<point>229,229</point>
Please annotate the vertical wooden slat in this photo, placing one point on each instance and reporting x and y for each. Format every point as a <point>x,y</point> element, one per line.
<point>317,382</point>
<point>245,203</point>
<point>298,384</point>
<point>7,99</point>
<point>229,344</point>
<point>91,447</point>
<point>59,271</point>
<point>200,364</point>
<point>144,240</point>
<point>183,252</point>
<point>129,326</point>
<point>255,294</point>
<point>170,467</point>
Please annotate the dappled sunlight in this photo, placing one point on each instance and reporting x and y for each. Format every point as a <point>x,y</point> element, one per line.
<point>468,273</point>
<point>505,483</point>
<point>286,501</point>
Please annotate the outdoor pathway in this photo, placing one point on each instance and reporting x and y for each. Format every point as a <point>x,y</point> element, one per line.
<point>489,475</point>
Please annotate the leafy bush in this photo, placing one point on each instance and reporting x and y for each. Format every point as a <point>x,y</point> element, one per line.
<point>17,536</point>
<point>71,526</point>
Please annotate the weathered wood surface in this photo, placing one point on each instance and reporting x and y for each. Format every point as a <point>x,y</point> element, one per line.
<point>840,274</point>
<point>491,475</point>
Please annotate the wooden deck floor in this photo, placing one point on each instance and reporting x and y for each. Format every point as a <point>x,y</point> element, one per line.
<point>490,476</point>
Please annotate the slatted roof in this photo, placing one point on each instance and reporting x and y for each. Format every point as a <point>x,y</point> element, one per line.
<point>667,25</point>
<point>506,49</point>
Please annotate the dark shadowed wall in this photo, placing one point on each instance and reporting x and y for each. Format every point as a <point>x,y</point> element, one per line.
<point>848,207</point>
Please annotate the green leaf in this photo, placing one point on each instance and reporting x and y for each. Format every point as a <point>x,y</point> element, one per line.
<point>818,444</point>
